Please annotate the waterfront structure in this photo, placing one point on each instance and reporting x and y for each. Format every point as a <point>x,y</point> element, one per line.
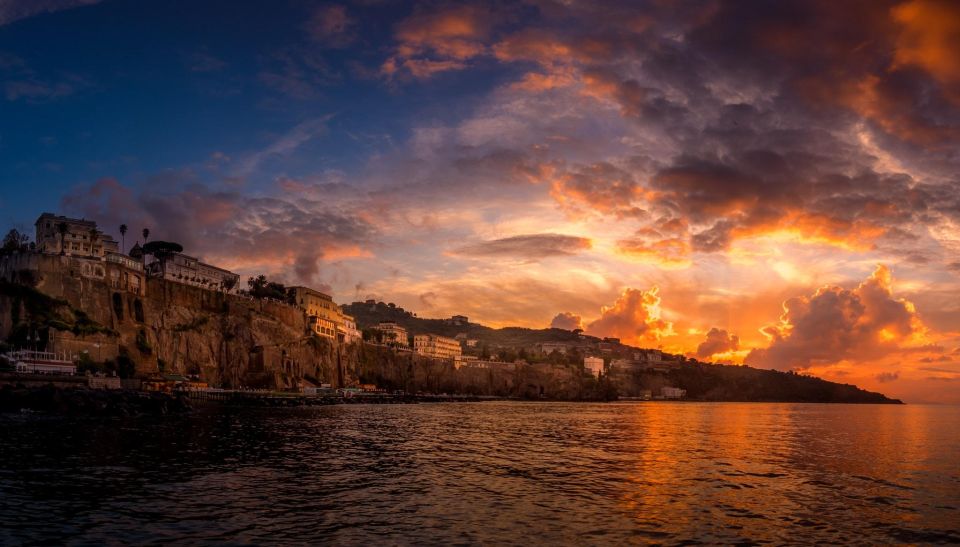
<point>672,392</point>
<point>104,382</point>
<point>594,365</point>
<point>437,347</point>
<point>393,334</point>
<point>81,237</point>
<point>188,270</point>
<point>40,362</point>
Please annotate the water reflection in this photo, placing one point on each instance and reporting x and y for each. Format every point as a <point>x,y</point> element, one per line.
<point>488,473</point>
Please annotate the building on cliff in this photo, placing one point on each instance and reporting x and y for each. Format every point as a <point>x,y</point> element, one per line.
<point>325,316</point>
<point>188,270</point>
<point>347,331</point>
<point>119,271</point>
<point>668,392</point>
<point>438,347</point>
<point>594,365</point>
<point>80,237</point>
<point>649,356</point>
<point>393,334</point>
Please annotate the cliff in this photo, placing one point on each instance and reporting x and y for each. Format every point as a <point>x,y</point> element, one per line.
<point>228,340</point>
<point>85,309</point>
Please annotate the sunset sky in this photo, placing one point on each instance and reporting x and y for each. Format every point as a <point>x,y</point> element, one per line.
<point>776,183</point>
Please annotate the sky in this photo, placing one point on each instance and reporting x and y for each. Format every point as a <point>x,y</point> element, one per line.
<point>769,183</point>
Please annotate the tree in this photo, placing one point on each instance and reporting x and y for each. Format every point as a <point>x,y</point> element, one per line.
<point>123,239</point>
<point>260,287</point>
<point>228,284</point>
<point>63,229</point>
<point>162,251</point>
<point>146,234</point>
<point>13,242</point>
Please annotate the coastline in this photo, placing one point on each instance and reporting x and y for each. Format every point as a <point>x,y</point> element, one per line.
<point>54,400</point>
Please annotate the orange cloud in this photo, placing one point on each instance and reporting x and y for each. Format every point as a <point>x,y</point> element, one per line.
<point>438,41</point>
<point>718,341</point>
<point>670,252</point>
<point>600,187</point>
<point>837,324</point>
<point>532,45</point>
<point>929,38</point>
<point>634,318</point>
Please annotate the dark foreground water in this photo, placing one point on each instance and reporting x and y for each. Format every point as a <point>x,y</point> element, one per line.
<point>504,473</point>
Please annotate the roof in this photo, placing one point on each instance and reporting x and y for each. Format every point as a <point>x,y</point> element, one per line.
<point>314,291</point>
<point>61,218</point>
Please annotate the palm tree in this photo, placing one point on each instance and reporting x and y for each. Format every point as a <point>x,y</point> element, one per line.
<point>63,229</point>
<point>146,234</point>
<point>123,239</point>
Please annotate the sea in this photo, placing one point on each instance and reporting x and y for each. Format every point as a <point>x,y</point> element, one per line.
<point>490,473</point>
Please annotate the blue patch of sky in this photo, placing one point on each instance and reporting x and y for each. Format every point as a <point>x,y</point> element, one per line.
<point>165,84</point>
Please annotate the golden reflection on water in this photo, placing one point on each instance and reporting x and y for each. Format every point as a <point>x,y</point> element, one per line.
<point>714,467</point>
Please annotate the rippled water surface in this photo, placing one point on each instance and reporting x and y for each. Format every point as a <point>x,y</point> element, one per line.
<point>506,473</point>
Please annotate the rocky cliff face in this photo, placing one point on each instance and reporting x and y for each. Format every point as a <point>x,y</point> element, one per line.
<point>230,341</point>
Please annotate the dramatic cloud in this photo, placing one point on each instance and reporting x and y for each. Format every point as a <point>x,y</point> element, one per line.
<point>509,160</point>
<point>717,341</point>
<point>252,234</point>
<point>438,40</point>
<point>837,324</point>
<point>567,321</point>
<point>634,318</point>
<point>527,247</point>
<point>600,187</point>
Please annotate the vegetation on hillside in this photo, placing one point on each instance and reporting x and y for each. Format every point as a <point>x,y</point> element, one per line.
<point>702,381</point>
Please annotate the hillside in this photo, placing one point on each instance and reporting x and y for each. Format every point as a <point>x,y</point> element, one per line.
<point>370,314</point>
<point>702,381</point>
